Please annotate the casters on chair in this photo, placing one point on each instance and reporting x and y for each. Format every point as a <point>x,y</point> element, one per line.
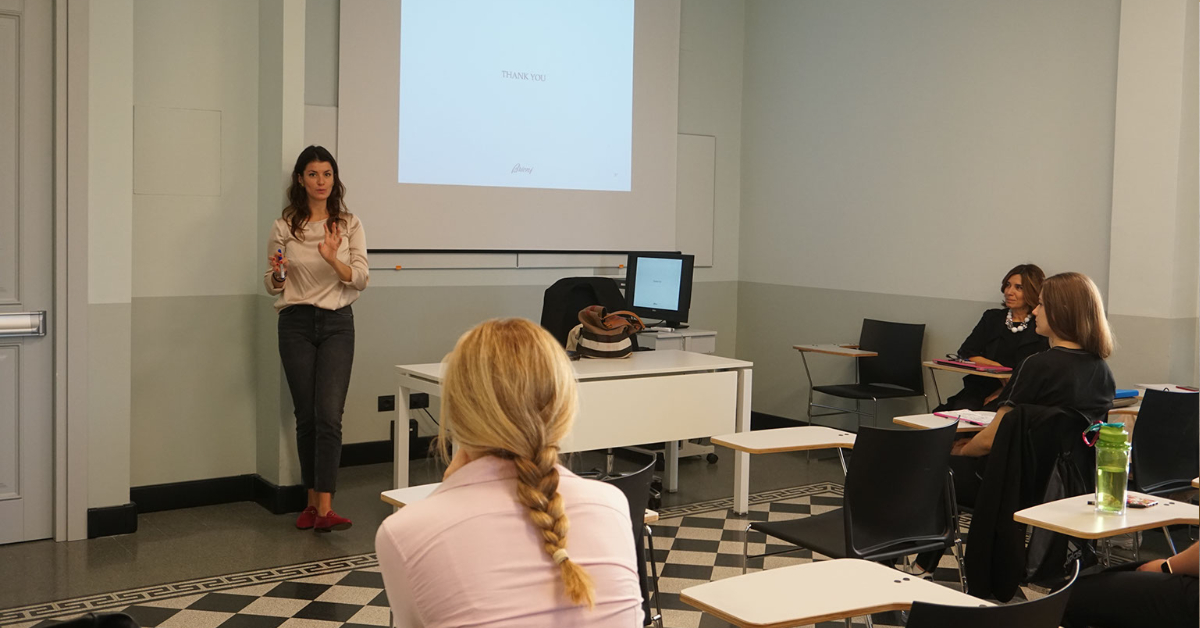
<point>712,458</point>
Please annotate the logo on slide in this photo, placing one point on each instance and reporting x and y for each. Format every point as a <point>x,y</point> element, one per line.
<point>522,76</point>
<point>519,168</point>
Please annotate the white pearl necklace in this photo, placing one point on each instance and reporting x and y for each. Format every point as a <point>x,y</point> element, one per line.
<point>1016,329</point>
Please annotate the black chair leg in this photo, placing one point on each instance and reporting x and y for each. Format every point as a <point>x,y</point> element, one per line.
<point>657,619</point>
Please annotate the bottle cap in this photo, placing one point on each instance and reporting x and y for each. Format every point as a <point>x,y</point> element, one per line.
<point>1113,434</point>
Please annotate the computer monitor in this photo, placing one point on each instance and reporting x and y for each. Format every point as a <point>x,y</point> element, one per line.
<point>659,286</point>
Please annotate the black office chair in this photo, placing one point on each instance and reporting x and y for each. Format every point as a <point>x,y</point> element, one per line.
<point>1164,456</point>
<point>898,501</point>
<point>563,300</point>
<point>1046,612</point>
<point>561,304</point>
<point>894,374</point>
<point>636,487</point>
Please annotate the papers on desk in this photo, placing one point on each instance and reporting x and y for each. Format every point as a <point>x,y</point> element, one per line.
<point>974,417</point>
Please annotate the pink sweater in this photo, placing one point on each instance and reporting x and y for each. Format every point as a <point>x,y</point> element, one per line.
<point>470,556</point>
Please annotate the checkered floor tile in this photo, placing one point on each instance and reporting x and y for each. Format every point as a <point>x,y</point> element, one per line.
<point>693,544</point>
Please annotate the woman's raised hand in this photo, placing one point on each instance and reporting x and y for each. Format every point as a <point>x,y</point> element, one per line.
<point>332,242</point>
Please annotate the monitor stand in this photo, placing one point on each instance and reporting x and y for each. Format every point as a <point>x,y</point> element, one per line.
<point>674,324</point>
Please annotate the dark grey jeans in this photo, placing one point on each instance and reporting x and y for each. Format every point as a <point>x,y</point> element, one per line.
<point>317,349</point>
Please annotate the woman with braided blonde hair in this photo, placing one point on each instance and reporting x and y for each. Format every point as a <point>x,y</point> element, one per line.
<point>490,547</point>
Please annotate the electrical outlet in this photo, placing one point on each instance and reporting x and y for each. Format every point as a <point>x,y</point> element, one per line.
<point>416,401</point>
<point>387,403</point>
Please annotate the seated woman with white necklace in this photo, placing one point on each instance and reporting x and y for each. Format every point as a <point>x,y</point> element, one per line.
<point>1002,337</point>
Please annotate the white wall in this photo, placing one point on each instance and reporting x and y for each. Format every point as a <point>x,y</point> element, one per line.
<point>710,77</point>
<point>1154,200</point>
<point>196,249</point>
<point>879,137</point>
<point>711,39</point>
<point>110,217</point>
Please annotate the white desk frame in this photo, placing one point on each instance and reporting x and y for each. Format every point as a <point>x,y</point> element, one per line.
<point>649,397</point>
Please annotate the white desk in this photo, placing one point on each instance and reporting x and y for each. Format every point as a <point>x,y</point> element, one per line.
<point>784,439</point>
<point>649,397</point>
<point>930,421</point>
<point>816,592</point>
<point>1075,517</point>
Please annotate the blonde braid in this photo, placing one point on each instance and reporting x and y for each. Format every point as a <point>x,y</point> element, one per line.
<point>537,490</point>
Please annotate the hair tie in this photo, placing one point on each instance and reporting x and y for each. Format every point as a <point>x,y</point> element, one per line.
<point>559,556</point>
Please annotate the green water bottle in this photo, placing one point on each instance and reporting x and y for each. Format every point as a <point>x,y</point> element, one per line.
<point>1112,468</point>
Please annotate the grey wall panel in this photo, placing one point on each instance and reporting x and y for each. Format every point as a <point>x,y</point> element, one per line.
<point>194,388</point>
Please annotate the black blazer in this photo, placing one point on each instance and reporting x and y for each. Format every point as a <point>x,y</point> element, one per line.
<point>992,340</point>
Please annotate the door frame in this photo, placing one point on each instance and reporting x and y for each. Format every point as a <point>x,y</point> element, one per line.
<point>70,269</point>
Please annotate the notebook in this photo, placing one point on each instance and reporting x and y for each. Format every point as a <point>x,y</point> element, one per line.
<point>973,366</point>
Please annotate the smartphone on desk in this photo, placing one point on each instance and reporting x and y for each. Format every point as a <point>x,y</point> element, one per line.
<point>1134,501</point>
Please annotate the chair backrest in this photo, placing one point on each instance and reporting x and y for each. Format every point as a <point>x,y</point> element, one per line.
<point>899,359</point>
<point>897,491</point>
<point>636,487</point>
<point>1165,458</point>
<point>563,300</point>
<point>1046,612</point>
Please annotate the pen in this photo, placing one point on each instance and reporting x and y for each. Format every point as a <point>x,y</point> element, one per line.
<point>282,270</point>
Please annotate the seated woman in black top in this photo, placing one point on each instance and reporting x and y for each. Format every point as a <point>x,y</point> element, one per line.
<point>1072,373</point>
<point>1002,337</point>
<point>1162,593</point>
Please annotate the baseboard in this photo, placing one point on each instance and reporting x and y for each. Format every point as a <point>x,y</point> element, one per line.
<point>112,520</point>
<point>380,451</point>
<point>156,497</point>
<point>213,491</point>
<point>370,452</point>
<point>278,499</point>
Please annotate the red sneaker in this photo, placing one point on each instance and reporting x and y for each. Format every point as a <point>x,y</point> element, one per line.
<point>307,518</point>
<point>330,522</point>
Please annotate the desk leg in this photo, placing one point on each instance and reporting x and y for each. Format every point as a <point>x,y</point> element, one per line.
<point>400,461</point>
<point>741,459</point>
<point>933,377</point>
<point>671,466</point>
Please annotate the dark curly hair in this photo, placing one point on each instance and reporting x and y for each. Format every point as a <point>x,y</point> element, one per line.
<point>297,212</point>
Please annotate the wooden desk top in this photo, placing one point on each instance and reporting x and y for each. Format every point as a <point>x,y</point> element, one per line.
<point>954,369</point>
<point>929,421</point>
<point>1074,516</point>
<point>401,497</point>
<point>827,590</point>
<point>1195,482</point>
<point>802,438</point>
<point>835,349</point>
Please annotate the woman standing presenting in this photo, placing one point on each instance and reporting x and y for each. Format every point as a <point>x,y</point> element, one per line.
<point>318,257</point>
<point>1002,337</point>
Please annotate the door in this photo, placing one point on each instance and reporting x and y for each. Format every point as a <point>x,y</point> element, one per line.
<point>26,269</point>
